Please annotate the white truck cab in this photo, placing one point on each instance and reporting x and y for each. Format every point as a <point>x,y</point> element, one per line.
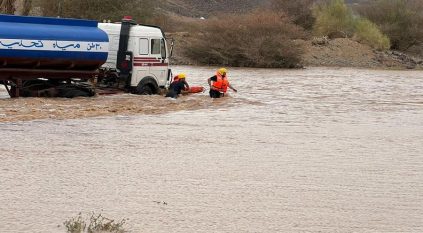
<point>138,54</point>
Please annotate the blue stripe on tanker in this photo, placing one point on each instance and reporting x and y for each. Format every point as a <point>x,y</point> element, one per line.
<point>38,34</point>
<point>21,27</point>
<point>25,54</point>
<point>48,20</point>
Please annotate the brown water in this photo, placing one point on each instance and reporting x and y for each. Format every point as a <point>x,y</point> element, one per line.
<point>316,150</point>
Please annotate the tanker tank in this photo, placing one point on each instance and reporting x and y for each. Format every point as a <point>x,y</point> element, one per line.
<point>41,43</point>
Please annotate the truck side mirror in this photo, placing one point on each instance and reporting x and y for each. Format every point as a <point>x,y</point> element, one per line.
<point>172,43</point>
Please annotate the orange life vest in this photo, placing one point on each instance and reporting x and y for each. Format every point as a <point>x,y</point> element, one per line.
<point>221,84</point>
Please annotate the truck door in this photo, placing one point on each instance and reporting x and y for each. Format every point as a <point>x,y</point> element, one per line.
<point>159,52</point>
<point>141,66</point>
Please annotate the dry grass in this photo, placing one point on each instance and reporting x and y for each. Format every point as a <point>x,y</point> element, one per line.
<point>97,223</point>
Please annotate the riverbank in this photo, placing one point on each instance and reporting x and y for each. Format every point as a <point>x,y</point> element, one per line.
<point>341,52</point>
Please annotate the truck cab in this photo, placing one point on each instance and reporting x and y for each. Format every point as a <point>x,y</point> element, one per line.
<point>41,56</point>
<point>138,57</point>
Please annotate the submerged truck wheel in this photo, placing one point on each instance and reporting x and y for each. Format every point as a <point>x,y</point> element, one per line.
<point>74,92</point>
<point>145,90</point>
<point>147,86</point>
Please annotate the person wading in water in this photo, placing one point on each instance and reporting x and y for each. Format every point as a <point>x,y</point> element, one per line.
<point>220,84</point>
<point>177,86</point>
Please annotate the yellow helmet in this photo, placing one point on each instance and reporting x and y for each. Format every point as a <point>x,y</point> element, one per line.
<point>222,71</point>
<point>182,76</point>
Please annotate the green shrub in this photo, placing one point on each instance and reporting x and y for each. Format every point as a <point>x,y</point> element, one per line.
<point>333,19</point>
<point>336,19</point>
<point>400,20</point>
<point>368,33</point>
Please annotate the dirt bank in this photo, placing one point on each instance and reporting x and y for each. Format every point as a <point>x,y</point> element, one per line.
<point>344,52</point>
<point>340,52</point>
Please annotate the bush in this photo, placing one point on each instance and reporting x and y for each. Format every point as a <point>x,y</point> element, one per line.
<point>368,33</point>
<point>299,10</point>
<point>75,224</point>
<point>7,6</point>
<point>401,20</point>
<point>257,39</point>
<point>333,19</point>
<point>97,224</point>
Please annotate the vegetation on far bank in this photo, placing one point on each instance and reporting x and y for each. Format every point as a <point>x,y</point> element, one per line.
<point>262,37</point>
<point>257,39</point>
<point>335,20</point>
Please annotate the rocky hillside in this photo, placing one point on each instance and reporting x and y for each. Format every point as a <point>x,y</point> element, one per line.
<point>356,1</point>
<point>206,8</point>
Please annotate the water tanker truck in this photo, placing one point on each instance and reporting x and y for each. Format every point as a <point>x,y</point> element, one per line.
<point>42,56</point>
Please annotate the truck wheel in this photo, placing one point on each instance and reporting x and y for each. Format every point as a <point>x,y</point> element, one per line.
<point>73,92</point>
<point>147,86</point>
<point>145,90</point>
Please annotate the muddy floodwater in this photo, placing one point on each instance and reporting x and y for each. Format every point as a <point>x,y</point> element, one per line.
<point>314,150</point>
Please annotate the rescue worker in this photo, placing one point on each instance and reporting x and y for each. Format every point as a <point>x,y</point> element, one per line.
<point>220,84</point>
<point>178,85</point>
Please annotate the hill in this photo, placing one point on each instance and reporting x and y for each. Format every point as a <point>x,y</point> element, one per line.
<point>206,8</point>
<point>356,1</point>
